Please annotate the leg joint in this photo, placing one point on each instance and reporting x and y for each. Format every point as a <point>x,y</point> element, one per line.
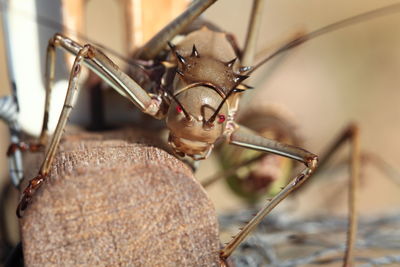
<point>312,162</point>
<point>90,51</point>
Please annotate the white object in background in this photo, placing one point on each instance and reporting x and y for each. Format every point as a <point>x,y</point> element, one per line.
<point>26,41</point>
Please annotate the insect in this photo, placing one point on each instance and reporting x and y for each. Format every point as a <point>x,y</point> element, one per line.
<point>216,122</point>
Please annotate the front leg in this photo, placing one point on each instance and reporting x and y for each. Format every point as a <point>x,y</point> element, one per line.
<point>246,138</point>
<point>109,72</point>
<point>153,47</point>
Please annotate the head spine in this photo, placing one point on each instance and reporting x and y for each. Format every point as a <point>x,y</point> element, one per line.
<point>195,53</point>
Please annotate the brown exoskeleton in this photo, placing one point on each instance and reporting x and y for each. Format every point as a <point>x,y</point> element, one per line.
<point>198,88</point>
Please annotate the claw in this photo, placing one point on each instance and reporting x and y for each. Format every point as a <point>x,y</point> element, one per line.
<point>29,191</point>
<point>23,204</point>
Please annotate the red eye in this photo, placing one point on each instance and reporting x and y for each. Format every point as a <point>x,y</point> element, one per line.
<point>221,118</point>
<point>179,109</point>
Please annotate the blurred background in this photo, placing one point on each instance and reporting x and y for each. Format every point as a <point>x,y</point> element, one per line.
<point>349,75</point>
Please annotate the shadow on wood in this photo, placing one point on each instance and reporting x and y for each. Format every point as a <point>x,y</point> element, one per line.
<point>114,203</point>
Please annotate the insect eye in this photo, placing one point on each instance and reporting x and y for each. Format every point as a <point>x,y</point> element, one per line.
<point>179,109</point>
<point>221,118</point>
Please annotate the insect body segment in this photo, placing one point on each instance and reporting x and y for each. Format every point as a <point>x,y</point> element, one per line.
<point>201,89</point>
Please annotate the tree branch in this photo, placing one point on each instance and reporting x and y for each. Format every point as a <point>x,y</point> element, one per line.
<point>111,203</point>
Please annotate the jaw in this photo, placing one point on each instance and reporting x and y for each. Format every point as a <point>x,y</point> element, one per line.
<point>195,149</point>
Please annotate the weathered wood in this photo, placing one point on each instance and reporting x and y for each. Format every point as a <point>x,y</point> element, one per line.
<point>113,203</point>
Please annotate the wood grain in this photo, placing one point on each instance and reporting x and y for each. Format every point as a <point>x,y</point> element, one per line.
<point>115,203</point>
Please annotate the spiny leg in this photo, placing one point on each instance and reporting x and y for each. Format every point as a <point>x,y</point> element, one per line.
<point>366,157</point>
<point>271,122</point>
<point>37,181</point>
<point>246,138</point>
<point>108,71</point>
<point>351,134</point>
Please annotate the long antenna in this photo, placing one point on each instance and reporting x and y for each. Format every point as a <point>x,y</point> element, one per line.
<point>214,116</point>
<point>329,28</point>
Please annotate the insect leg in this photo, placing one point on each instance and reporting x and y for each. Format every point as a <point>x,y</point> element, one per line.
<point>159,41</point>
<point>14,153</point>
<point>246,138</point>
<point>351,134</point>
<point>49,80</point>
<point>252,33</point>
<point>98,62</point>
<point>108,71</point>
<point>37,181</point>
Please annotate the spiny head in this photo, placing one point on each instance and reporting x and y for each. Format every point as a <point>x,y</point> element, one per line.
<point>195,67</point>
<point>198,112</point>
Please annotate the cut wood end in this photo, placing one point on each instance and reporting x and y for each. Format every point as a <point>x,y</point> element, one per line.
<point>110,203</point>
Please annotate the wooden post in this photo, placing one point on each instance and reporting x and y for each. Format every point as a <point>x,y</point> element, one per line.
<point>114,203</point>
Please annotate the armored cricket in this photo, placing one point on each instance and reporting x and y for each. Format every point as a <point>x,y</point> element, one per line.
<point>194,82</point>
